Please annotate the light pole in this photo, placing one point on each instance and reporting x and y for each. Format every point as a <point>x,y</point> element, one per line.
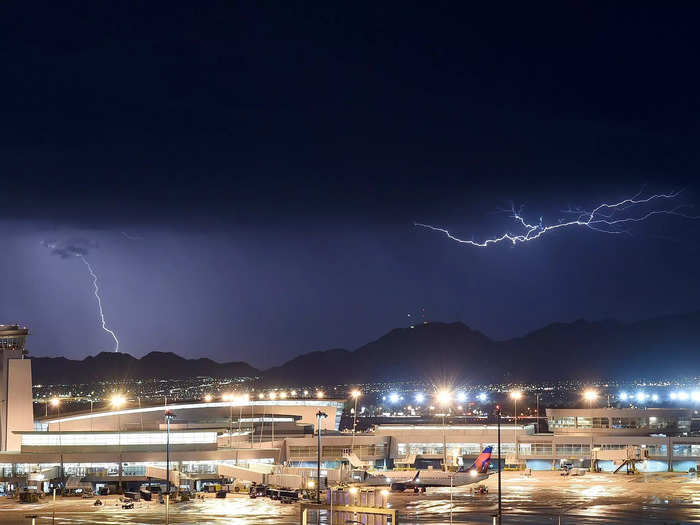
<point>444,397</point>
<point>515,395</point>
<point>117,402</point>
<point>537,410</point>
<point>355,394</point>
<point>55,402</point>
<point>319,415</point>
<point>168,417</point>
<point>498,424</point>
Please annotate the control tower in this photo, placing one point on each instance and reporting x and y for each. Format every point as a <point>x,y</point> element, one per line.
<point>15,386</point>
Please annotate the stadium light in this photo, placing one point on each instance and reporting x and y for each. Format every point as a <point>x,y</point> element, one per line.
<point>444,397</point>
<point>482,397</point>
<point>654,397</point>
<point>683,396</point>
<point>55,402</point>
<point>394,397</point>
<point>623,396</point>
<point>420,397</point>
<point>319,394</point>
<point>695,396</point>
<point>673,396</point>
<point>207,398</point>
<point>640,397</point>
<point>461,397</point>
<point>590,396</point>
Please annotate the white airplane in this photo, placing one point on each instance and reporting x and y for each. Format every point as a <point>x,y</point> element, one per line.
<point>477,472</point>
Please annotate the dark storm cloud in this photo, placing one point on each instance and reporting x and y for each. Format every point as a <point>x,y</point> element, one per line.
<point>273,158</point>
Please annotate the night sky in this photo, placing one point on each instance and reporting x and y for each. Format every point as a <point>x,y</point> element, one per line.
<point>244,177</point>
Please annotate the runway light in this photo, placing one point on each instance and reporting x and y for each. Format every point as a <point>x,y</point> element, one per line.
<point>623,396</point>
<point>461,397</point>
<point>420,397</point>
<point>683,396</point>
<point>482,397</point>
<point>394,397</point>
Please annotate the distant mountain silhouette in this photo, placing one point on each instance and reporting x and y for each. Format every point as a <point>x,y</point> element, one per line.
<point>439,351</point>
<point>116,366</point>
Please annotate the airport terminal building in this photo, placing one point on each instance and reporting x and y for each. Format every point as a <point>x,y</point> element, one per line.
<point>248,439</point>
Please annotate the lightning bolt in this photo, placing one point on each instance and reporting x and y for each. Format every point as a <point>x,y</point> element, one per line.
<point>605,218</point>
<point>99,302</point>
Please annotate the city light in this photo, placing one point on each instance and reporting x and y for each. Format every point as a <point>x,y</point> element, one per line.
<point>283,395</point>
<point>461,397</point>
<point>306,393</point>
<point>420,397</point>
<point>394,397</point>
<point>261,396</point>
<point>444,397</point>
<point>293,393</point>
<point>272,395</point>
<point>482,397</point>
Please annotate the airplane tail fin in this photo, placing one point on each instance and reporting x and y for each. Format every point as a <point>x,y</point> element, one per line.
<point>481,464</point>
<point>415,478</point>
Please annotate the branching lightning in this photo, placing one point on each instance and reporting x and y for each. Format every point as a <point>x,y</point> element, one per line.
<point>99,302</point>
<point>605,218</point>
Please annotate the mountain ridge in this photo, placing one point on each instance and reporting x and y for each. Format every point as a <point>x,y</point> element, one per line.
<point>436,351</point>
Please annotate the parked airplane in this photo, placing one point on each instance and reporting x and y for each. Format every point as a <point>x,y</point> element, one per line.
<point>422,479</point>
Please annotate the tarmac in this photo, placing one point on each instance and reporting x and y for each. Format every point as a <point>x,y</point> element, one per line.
<point>543,498</point>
